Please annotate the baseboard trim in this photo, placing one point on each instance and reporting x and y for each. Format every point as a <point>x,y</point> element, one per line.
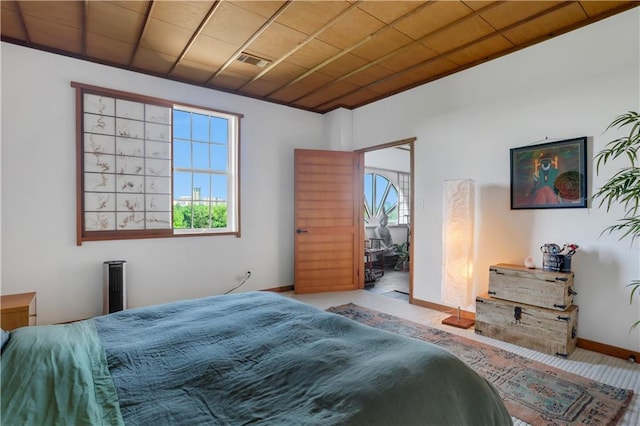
<point>443,308</point>
<point>282,289</point>
<point>614,351</point>
<point>589,345</point>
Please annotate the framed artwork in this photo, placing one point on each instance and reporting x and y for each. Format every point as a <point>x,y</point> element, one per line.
<point>550,175</point>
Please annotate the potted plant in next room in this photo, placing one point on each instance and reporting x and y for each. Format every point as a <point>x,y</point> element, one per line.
<point>402,251</point>
<point>624,186</point>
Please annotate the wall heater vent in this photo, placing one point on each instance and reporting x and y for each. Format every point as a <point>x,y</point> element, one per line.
<point>115,286</point>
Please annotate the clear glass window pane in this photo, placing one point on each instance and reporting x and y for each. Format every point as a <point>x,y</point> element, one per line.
<point>219,213</point>
<point>182,184</point>
<point>181,154</point>
<point>182,215</point>
<point>381,187</point>
<point>219,130</point>
<point>368,195</point>
<point>220,188</point>
<point>181,124</point>
<point>201,215</point>
<point>201,187</point>
<point>199,127</point>
<point>219,156</point>
<point>200,155</point>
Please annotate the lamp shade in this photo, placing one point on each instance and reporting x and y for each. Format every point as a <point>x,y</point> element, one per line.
<point>458,208</point>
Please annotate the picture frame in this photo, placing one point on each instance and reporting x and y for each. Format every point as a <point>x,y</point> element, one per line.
<point>550,175</point>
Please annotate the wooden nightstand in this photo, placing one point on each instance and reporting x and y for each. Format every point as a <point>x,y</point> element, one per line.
<point>17,310</point>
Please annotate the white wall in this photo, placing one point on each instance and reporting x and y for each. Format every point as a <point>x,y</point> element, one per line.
<point>465,124</point>
<point>570,86</point>
<point>38,194</point>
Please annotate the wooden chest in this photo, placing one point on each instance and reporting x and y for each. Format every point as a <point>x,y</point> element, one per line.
<point>533,327</point>
<point>552,290</point>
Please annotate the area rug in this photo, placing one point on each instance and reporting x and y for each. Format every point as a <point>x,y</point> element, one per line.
<point>532,391</point>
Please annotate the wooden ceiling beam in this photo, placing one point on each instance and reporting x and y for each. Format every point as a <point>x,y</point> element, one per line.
<point>452,51</point>
<point>85,14</point>
<point>247,43</point>
<point>143,31</point>
<point>347,50</point>
<point>303,43</point>
<point>23,24</point>
<point>196,34</point>
<point>369,64</point>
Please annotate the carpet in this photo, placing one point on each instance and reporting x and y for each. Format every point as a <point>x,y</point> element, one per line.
<point>532,391</point>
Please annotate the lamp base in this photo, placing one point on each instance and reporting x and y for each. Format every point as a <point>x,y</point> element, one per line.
<point>454,321</point>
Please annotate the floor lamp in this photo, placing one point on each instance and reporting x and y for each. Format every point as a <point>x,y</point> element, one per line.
<point>458,210</point>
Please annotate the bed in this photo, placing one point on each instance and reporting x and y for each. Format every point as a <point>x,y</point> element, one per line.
<point>252,358</point>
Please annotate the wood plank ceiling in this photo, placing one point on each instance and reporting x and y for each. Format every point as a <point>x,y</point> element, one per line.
<point>313,55</point>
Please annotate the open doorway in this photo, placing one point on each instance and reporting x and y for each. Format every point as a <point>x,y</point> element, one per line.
<point>388,183</point>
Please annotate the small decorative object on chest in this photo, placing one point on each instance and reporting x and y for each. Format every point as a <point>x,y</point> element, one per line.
<point>532,308</point>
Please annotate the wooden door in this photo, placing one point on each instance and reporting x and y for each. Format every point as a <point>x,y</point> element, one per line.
<point>329,246</point>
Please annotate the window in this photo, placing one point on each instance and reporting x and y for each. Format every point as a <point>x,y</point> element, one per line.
<point>380,191</point>
<point>203,155</point>
<point>150,168</point>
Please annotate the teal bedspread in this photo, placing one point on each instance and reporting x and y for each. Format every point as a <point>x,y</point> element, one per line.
<point>57,375</point>
<point>253,358</point>
<point>264,359</point>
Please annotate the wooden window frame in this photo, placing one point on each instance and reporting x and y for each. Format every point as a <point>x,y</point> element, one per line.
<point>83,235</point>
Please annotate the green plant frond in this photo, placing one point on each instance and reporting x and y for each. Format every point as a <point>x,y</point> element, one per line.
<point>616,148</point>
<point>624,119</point>
<point>624,186</point>
<point>635,288</point>
<point>628,227</point>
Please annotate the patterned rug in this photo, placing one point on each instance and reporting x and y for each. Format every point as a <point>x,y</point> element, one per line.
<point>532,391</point>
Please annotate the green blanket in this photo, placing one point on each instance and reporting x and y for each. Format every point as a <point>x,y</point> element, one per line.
<point>57,375</point>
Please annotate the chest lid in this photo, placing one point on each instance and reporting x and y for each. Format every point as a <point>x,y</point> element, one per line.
<point>546,289</point>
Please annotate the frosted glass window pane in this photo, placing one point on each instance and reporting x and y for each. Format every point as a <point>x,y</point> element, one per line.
<point>158,114</point>
<point>130,202</point>
<point>100,221</point>
<point>99,143</point>
<point>129,128</point>
<point>128,183</point>
<point>130,147</point>
<point>102,105</point>
<point>99,201</point>
<point>99,124</point>
<point>158,185</point>
<point>158,132</point>
<point>155,149</point>
<point>129,165</point>
<point>100,182</point>
<point>129,221</point>
<point>128,109</point>
<point>156,167</point>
